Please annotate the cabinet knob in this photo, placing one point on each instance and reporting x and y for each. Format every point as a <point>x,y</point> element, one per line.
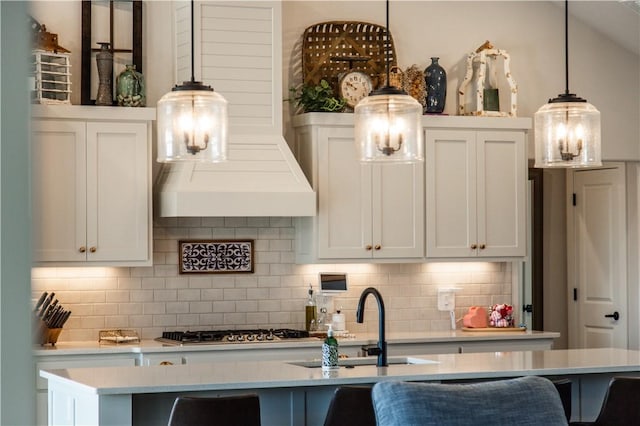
<point>474,246</point>
<point>368,247</point>
<point>82,249</point>
<point>482,246</point>
<point>92,249</point>
<point>378,247</point>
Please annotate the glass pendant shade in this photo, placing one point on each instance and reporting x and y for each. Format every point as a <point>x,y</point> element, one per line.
<point>567,134</point>
<point>192,125</point>
<point>388,127</point>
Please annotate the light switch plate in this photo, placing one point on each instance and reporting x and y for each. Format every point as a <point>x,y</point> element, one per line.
<point>446,299</point>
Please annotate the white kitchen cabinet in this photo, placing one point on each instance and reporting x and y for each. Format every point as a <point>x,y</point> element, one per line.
<point>365,211</point>
<point>475,193</point>
<point>91,186</point>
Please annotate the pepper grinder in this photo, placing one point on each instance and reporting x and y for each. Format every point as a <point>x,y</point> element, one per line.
<point>104,61</point>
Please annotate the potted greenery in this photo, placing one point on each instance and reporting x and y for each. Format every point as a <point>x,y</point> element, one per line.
<point>317,98</point>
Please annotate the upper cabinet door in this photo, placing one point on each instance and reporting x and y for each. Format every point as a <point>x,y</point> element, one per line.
<point>501,183</point>
<point>344,197</point>
<point>451,207</point>
<point>398,210</point>
<point>118,192</point>
<point>59,190</point>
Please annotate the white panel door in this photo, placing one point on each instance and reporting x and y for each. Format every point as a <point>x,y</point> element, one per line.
<point>344,197</point>
<point>118,196</point>
<point>450,193</point>
<point>58,185</point>
<point>599,270</point>
<point>501,184</point>
<point>398,210</point>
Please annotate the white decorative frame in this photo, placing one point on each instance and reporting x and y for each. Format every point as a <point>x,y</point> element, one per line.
<point>465,96</point>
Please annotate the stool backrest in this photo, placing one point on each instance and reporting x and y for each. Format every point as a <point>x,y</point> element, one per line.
<point>621,405</point>
<point>241,410</point>
<point>351,406</point>
<point>530,401</point>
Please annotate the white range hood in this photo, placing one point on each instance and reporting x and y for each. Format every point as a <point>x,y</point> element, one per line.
<point>238,51</point>
<point>260,178</point>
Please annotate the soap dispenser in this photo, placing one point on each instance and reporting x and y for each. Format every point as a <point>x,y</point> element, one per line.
<point>330,351</point>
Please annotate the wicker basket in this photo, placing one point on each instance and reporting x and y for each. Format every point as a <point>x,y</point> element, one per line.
<point>324,43</point>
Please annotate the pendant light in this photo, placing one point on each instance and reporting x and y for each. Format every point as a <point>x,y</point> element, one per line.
<point>192,121</point>
<point>388,124</point>
<point>567,129</point>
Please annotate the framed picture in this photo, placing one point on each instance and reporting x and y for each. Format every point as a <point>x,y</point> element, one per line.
<point>215,256</point>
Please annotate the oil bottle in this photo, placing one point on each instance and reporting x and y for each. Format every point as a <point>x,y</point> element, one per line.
<point>310,311</point>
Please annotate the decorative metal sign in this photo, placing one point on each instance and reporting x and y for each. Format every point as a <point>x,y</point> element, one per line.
<point>215,256</point>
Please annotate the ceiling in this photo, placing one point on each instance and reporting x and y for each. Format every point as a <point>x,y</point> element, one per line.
<point>618,20</point>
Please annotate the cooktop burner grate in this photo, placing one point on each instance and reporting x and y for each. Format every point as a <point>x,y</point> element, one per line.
<point>231,336</point>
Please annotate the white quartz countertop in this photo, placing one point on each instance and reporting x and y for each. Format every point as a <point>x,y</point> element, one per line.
<point>152,346</point>
<point>279,374</point>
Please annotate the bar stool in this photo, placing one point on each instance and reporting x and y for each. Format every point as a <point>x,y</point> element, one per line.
<point>621,405</point>
<point>563,386</point>
<point>240,410</point>
<point>351,406</point>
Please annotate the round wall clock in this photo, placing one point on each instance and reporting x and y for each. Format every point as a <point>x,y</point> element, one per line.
<point>353,86</point>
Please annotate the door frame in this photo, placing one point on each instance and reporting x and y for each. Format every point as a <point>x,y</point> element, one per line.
<point>536,255</point>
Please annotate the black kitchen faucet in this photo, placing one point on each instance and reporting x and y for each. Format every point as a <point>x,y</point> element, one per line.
<point>381,348</point>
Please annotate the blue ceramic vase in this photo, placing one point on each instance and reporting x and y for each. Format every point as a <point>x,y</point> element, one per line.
<point>435,78</point>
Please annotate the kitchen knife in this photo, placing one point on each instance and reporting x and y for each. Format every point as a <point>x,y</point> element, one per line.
<point>50,310</point>
<point>40,301</point>
<point>55,318</point>
<point>45,305</point>
<point>50,316</point>
<point>64,319</point>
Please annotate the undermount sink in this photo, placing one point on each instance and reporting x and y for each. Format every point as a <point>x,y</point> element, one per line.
<point>353,362</point>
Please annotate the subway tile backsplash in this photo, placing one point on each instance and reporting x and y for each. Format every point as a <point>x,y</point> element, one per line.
<point>153,299</point>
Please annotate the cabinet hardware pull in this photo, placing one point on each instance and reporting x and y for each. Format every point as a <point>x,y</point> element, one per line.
<point>82,249</point>
<point>92,249</point>
<point>483,246</point>
<point>474,246</point>
<point>378,247</point>
<point>166,363</point>
<point>368,247</point>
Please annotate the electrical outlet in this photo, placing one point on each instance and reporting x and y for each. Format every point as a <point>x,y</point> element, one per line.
<point>446,300</point>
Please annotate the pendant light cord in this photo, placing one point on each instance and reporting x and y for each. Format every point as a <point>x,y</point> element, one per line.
<point>192,45</point>
<point>386,46</point>
<point>566,46</point>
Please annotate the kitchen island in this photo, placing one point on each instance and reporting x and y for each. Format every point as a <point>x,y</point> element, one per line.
<point>292,393</point>
<point>151,352</point>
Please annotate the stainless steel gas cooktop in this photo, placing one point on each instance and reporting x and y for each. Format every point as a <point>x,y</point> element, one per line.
<point>230,336</point>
